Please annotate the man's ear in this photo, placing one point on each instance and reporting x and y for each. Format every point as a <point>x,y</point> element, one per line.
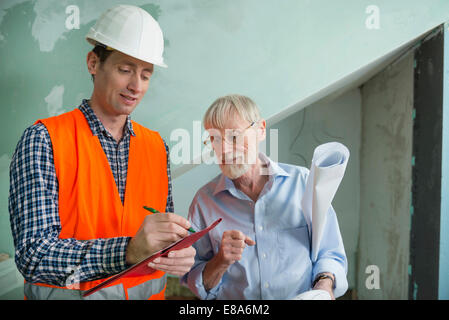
<point>93,62</point>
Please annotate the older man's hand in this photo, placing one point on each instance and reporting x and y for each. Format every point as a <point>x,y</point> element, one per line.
<point>178,263</point>
<point>233,242</point>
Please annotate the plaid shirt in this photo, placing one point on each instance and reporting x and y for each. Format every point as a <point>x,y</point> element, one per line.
<point>33,205</point>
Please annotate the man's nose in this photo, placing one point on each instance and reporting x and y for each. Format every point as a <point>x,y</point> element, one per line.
<point>229,152</point>
<point>227,146</point>
<point>135,84</point>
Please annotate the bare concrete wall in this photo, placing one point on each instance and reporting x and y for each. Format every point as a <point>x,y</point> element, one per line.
<point>385,171</point>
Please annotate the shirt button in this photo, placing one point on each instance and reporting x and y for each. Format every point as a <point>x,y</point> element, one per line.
<point>267,285</point>
<point>260,228</point>
<point>264,255</point>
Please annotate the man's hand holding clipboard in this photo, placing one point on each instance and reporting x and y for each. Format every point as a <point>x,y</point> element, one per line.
<point>143,268</point>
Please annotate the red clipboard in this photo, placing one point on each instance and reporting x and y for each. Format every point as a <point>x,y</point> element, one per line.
<point>142,268</point>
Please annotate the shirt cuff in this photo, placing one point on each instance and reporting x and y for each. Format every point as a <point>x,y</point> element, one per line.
<point>194,280</point>
<point>332,266</point>
<point>114,255</point>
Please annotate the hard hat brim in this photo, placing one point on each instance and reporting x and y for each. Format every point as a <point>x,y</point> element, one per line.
<point>94,37</point>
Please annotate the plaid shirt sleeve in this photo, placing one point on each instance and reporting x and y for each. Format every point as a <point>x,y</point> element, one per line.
<point>169,207</point>
<point>33,205</point>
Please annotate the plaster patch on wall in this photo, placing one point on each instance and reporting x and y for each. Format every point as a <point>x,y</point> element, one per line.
<point>49,25</point>
<point>54,101</point>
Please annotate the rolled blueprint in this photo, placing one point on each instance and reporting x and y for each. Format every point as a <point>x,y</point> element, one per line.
<point>326,172</point>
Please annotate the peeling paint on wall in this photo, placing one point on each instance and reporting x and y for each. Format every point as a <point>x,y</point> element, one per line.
<point>54,101</point>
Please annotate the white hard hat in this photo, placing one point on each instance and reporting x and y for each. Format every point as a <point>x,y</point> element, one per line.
<point>130,30</point>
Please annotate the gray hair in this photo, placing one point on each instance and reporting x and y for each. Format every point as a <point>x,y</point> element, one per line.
<point>224,107</point>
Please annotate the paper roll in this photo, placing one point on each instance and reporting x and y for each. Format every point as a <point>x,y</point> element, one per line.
<point>326,172</point>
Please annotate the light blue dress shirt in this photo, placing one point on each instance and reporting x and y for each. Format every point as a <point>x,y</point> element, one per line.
<point>279,265</point>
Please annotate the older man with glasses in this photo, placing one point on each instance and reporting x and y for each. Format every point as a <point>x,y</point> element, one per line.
<point>261,250</point>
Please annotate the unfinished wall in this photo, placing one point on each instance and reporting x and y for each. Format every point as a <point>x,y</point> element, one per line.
<point>385,171</point>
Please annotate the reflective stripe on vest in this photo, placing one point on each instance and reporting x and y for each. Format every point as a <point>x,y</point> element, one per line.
<point>88,200</point>
<point>143,291</point>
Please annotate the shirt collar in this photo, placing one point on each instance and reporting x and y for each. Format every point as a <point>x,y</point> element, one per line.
<point>95,124</point>
<point>273,170</point>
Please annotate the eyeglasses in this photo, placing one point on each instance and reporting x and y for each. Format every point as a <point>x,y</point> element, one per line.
<point>230,137</point>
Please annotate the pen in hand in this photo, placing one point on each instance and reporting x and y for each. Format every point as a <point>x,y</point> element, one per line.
<point>155,211</point>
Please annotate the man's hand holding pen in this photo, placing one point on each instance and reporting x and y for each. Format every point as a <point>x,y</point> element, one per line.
<point>157,231</point>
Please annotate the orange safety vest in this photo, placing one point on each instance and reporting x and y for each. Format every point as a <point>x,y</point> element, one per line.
<point>89,203</point>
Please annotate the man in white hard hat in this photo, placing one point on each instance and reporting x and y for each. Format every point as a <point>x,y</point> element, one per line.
<point>79,180</point>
